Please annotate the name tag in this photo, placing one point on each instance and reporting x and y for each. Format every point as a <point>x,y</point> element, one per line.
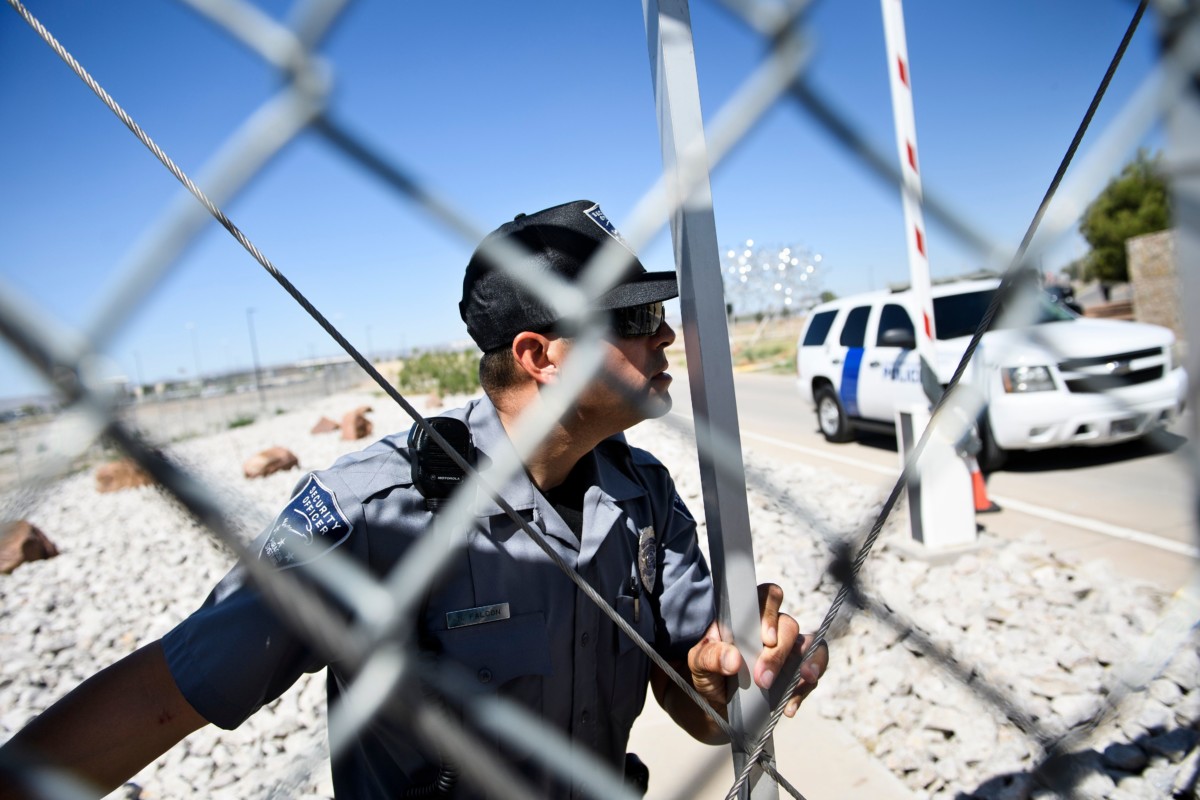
<point>476,616</point>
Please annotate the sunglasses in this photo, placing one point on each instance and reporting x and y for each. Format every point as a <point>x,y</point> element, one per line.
<point>635,321</point>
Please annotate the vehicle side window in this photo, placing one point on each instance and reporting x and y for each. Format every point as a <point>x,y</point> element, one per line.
<point>818,329</point>
<point>960,314</point>
<point>894,316</point>
<point>854,332</point>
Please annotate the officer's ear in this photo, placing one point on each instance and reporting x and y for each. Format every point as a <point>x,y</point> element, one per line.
<point>538,355</point>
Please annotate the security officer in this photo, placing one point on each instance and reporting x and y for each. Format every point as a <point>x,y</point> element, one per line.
<point>504,615</point>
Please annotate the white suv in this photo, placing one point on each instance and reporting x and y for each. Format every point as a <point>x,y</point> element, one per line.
<point>1056,379</point>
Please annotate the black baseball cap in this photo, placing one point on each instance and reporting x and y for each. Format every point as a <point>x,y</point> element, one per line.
<point>562,239</point>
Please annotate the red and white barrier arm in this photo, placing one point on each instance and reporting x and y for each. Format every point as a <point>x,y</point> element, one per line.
<point>914,221</point>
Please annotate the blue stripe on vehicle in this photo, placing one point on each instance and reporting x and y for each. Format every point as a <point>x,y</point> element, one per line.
<point>849,389</point>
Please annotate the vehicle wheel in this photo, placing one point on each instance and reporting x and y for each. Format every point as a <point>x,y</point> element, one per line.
<point>991,456</point>
<point>831,417</point>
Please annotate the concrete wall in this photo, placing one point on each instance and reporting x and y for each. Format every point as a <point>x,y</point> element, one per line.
<point>1154,279</point>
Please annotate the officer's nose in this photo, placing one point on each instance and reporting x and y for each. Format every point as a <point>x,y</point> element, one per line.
<point>664,336</point>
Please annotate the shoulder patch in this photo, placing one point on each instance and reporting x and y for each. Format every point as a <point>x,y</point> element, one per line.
<point>681,508</point>
<point>311,525</point>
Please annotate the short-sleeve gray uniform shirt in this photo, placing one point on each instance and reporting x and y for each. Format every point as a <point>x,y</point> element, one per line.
<point>555,652</point>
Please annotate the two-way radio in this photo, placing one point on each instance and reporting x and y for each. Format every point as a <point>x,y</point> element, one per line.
<point>434,472</point>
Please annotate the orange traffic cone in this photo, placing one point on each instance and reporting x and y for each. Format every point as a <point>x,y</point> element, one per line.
<point>983,504</point>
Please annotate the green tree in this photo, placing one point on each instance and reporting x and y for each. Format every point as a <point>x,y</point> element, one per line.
<point>1133,203</point>
<point>1076,270</point>
<point>827,295</point>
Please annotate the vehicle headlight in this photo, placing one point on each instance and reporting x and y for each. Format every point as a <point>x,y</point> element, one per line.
<point>1027,379</point>
<point>1177,354</point>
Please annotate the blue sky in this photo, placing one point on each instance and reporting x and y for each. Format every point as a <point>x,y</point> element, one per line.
<point>500,108</point>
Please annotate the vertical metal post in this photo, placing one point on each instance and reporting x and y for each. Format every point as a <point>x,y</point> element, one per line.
<point>710,367</point>
<point>1181,34</point>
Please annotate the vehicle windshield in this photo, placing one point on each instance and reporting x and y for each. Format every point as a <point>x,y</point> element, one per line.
<point>959,314</point>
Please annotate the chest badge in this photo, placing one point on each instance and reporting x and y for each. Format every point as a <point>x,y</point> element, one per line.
<point>647,558</point>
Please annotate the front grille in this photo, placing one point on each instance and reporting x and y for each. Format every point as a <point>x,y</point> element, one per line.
<point>1072,364</point>
<point>1105,383</point>
<point>1109,372</point>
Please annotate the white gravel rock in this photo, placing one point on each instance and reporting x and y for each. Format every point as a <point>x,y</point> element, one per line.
<point>1047,633</point>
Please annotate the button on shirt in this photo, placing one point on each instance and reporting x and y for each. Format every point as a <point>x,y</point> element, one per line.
<point>540,641</point>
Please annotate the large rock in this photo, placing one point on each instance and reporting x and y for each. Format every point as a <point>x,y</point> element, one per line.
<point>271,460</point>
<point>325,425</point>
<point>355,424</point>
<point>118,475</point>
<point>21,542</point>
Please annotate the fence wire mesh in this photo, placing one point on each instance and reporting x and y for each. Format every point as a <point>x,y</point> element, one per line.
<point>1047,736</point>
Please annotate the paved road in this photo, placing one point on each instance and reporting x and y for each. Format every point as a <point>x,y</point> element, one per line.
<point>1130,504</point>
<point>1127,504</point>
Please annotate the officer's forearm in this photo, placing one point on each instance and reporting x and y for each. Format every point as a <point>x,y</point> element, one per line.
<point>681,708</point>
<point>106,729</point>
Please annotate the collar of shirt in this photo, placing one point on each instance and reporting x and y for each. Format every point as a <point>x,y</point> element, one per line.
<point>492,442</point>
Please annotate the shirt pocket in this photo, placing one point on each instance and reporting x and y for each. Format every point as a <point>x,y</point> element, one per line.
<point>510,655</point>
<point>642,621</point>
<point>632,668</point>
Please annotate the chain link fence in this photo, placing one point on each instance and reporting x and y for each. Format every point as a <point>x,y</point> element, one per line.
<point>1057,757</point>
<point>170,416</point>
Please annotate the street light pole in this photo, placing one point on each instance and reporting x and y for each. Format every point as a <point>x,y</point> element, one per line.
<point>141,384</point>
<point>191,326</point>
<point>254,354</point>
